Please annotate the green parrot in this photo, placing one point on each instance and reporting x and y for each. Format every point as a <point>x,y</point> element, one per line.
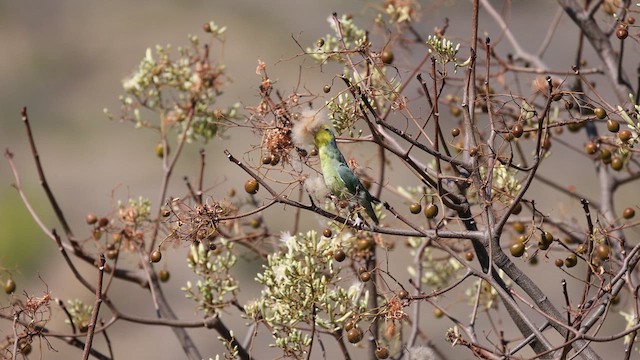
<point>338,177</point>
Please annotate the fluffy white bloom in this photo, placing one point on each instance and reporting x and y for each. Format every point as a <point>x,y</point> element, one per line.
<point>306,126</point>
<point>279,271</point>
<point>315,186</point>
<point>422,353</point>
<point>289,241</point>
<point>354,290</point>
<point>132,83</point>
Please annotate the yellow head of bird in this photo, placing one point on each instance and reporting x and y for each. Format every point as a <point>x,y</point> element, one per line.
<point>323,136</point>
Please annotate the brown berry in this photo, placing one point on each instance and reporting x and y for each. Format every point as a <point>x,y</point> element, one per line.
<point>455,132</point>
<point>159,150</point>
<point>365,276</point>
<point>403,294</point>
<point>326,89</point>
<point>339,255</point>
<point>517,130</point>
<point>364,244</point>
<point>91,219</point>
<point>518,227</point>
<point>387,57</point>
<point>349,325</point>
<point>164,275</point>
<point>605,154</point>
<point>354,335</point>
<point>155,256</point>
<point>327,233</point>
<point>103,222</point>
<point>206,27</point>
<point>622,33</point>
<point>517,249</point>
<point>251,186</point>
<point>631,20</point>
<point>415,208</point>
<point>625,135</point>
<point>431,210</point>
<point>602,251</point>
<point>617,163</point>
<point>320,42</point>
<point>628,213</point>
<point>574,126</point>
<point>469,256</point>
<point>382,353</point>
<point>571,261</point>
<point>517,209</point>
<point>613,126</point>
<point>600,113</point>
<point>9,286</point>
<point>581,249</point>
<point>438,313</point>
<point>591,148</point>
<point>266,160</point>
<point>559,262</point>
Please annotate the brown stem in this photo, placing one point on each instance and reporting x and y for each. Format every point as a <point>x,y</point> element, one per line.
<point>94,312</point>
<point>44,183</point>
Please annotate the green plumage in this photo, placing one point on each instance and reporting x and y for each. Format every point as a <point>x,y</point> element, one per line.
<point>338,177</point>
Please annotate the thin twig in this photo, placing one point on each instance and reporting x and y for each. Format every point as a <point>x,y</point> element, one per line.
<point>95,311</point>
<point>44,183</point>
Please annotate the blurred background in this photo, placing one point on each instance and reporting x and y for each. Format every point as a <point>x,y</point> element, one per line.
<point>65,60</point>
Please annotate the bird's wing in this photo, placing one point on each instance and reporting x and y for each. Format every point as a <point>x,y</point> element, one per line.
<point>353,184</point>
<point>355,187</point>
<point>350,180</point>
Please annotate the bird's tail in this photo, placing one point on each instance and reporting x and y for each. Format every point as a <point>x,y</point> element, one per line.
<point>368,208</point>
